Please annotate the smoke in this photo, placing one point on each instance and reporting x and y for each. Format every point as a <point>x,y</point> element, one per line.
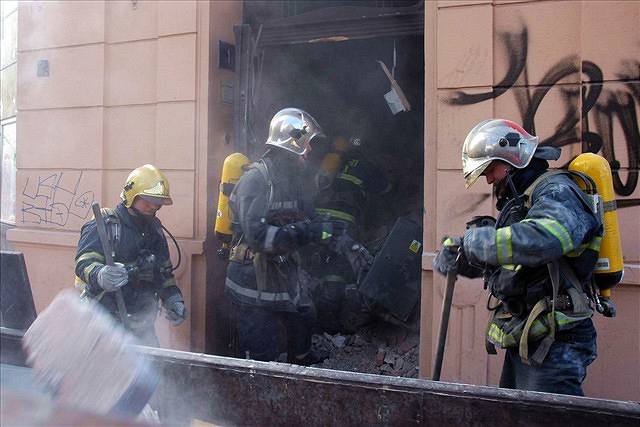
<point>342,86</point>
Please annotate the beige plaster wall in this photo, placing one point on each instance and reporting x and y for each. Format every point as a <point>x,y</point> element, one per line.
<point>128,84</point>
<point>532,60</point>
<point>131,83</point>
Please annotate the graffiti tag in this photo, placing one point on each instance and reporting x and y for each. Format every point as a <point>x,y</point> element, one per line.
<point>54,198</point>
<point>604,107</point>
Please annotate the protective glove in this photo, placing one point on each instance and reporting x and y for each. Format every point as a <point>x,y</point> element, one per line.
<point>445,260</point>
<point>176,312</point>
<point>323,231</point>
<point>112,277</point>
<point>481,221</point>
<point>356,254</point>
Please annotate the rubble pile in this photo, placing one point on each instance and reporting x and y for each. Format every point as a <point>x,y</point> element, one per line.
<point>380,348</point>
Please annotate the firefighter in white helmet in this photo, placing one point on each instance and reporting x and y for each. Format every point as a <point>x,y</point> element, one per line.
<point>143,270</point>
<point>537,259</point>
<point>272,218</point>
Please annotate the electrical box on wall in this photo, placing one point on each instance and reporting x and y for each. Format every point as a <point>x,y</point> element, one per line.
<point>43,68</point>
<point>226,56</point>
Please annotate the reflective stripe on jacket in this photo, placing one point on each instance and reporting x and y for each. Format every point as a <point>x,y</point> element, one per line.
<point>557,224</point>
<point>132,239</point>
<point>267,199</point>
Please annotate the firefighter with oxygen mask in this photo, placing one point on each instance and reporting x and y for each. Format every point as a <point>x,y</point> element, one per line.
<point>272,219</point>
<point>142,270</point>
<point>537,259</point>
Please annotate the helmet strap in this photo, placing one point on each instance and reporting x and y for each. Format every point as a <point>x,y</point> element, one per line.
<point>510,183</point>
<point>505,188</point>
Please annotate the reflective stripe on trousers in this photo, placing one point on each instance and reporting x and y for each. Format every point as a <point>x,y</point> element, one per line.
<point>255,294</point>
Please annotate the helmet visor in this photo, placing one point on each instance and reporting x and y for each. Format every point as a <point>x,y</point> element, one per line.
<point>471,177</point>
<point>156,200</point>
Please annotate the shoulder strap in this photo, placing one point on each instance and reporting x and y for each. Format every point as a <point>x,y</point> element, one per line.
<point>112,220</point>
<point>540,307</point>
<point>261,166</point>
<point>588,197</point>
<point>529,191</point>
<point>578,300</point>
<point>108,212</point>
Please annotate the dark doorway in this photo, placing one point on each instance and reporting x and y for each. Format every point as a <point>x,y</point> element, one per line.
<point>327,62</point>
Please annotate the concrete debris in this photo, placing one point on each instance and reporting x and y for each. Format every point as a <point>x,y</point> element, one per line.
<point>86,360</point>
<point>379,348</point>
<point>390,358</point>
<point>339,340</point>
<point>356,341</point>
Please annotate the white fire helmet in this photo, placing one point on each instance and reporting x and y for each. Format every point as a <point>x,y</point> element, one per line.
<point>496,139</point>
<point>293,129</point>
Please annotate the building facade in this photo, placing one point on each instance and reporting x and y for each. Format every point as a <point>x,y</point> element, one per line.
<point>139,82</point>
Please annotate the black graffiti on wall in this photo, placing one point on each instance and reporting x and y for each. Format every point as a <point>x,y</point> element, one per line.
<point>601,109</point>
<point>54,199</point>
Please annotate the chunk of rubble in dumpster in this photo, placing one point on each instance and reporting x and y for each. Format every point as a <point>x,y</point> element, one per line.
<point>86,360</point>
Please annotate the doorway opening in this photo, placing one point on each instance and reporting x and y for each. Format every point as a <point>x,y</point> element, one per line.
<point>363,81</point>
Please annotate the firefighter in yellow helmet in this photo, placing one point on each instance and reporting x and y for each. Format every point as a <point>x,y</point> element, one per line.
<point>143,270</point>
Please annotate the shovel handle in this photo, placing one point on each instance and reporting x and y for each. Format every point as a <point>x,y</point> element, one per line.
<point>452,275</point>
<point>108,256</point>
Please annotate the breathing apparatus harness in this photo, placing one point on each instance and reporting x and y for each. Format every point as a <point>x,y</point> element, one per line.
<point>514,207</point>
<point>148,218</point>
<point>507,329</point>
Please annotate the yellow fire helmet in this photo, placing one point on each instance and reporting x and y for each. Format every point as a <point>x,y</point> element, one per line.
<point>149,183</point>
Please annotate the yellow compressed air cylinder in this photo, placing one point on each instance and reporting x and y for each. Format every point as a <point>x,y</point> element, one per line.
<point>610,266</point>
<point>232,169</point>
<point>331,163</point>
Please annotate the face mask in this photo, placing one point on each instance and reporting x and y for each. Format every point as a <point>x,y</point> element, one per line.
<point>140,219</point>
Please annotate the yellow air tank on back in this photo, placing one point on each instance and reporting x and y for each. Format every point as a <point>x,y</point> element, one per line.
<point>330,163</point>
<point>610,266</point>
<point>232,169</point>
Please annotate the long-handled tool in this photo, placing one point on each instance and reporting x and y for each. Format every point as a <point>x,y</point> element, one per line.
<point>108,256</point>
<point>452,276</point>
<point>84,358</point>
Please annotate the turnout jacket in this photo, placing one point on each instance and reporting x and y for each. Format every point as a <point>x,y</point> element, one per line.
<point>346,198</point>
<point>142,247</point>
<point>558,224</point>
<point>270,211</point>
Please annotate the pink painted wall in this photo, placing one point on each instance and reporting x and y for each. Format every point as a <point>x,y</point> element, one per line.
<point>132,84</point>
<point>128,85</point>
<point>551,50</point>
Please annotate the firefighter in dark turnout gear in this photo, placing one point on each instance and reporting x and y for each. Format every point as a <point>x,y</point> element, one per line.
<point>357,179</point>
<point>537,260</point>
<point>143,269</point>
<point>345,197</point>
<point>272,216</point>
